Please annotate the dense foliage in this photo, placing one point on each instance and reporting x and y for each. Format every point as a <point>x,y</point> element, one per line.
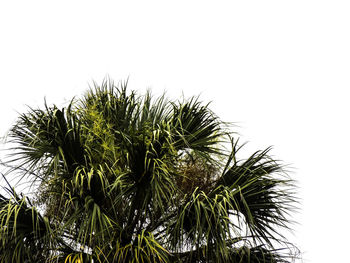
<point>125,178</point>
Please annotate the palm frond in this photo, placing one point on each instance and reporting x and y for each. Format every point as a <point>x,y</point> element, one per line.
<point>23,230</point>
<point>261,192</point>
<point>195,127</point>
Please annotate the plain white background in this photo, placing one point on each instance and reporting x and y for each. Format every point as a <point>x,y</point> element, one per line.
<point>279,69</point>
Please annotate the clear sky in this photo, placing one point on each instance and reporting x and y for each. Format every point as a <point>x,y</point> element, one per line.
<point>279,69</point>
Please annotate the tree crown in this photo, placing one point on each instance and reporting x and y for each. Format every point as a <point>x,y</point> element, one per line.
<point>127,178</point>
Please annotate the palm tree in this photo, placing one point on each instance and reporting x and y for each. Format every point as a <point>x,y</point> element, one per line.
<point>119,177</point>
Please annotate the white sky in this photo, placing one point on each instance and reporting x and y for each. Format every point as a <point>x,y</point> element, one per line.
<point>280,69</point>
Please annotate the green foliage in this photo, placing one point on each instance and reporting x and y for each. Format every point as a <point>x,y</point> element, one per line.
<point>125,178</point>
